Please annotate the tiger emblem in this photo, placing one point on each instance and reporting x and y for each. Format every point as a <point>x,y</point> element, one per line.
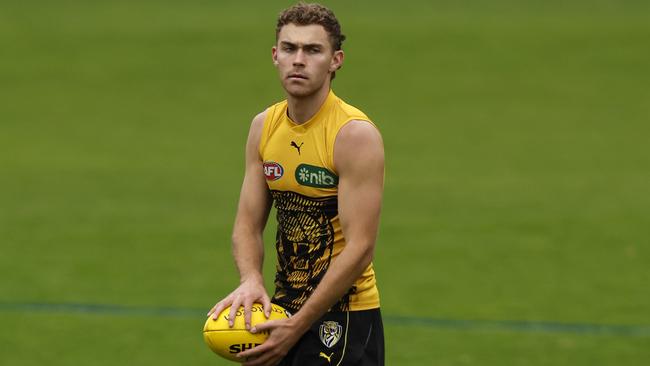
<point>330,333</point>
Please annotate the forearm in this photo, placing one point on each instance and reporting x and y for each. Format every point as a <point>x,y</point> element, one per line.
<point>247,235</point>
<point>248,253</point>
<point>341,275</point>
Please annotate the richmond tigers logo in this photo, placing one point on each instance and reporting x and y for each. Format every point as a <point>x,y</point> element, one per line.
<point>330,333</point>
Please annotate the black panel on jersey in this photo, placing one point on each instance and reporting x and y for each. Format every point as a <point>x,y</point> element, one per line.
<point>304,243</point>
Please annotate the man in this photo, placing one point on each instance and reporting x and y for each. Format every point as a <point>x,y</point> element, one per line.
<point>320,161</point>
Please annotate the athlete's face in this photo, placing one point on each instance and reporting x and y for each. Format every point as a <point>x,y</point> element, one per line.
<point>305,59</point>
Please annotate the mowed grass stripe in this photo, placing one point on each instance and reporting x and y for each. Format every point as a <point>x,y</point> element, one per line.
<point>395,320</point>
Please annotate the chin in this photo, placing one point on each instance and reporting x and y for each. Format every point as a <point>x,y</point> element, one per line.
<point>302,90</point>
<point>299,91</point>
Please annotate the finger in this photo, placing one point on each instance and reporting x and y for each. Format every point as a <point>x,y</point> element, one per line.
<point>267,305</point>
<point>269,358</point>
<point>264,360</point>
<point>255,352</point>
<point>248,304</point>
<point>267,325</point>
<point>233,311</point>
<point>215,310</point>
<point>220,306</point>
<point>211,310</point>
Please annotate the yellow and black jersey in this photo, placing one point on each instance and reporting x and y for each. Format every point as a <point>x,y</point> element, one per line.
<point>299,169</point>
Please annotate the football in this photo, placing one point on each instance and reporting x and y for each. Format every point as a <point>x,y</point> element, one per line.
<point>227,342</point>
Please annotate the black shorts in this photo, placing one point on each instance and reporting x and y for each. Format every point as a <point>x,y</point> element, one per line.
<point>351,338</point>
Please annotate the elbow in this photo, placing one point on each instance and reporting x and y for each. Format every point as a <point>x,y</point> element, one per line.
<point>367,255</point>
<point>243,236</point>
<point>240,236</point>
<point>242,231</point>
<point>235,237</point>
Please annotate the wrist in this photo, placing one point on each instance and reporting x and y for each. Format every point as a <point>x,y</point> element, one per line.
<point>299,323</point>
<point>254,277</point>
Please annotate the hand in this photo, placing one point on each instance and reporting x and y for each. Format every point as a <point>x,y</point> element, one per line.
<point>284,334</point>
<point>248,292</point>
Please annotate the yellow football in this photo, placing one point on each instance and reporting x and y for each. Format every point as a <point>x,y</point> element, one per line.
<point>227,342</point>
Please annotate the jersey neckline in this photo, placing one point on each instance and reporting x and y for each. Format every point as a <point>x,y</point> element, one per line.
<point>328,101</point>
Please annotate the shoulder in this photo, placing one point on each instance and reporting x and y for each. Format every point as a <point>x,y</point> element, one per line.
<point>257,127</point>
<point>358,142</point>
<point>270,114</point>
<point>258,120</point>
<point>358,131</point>
<point>257,124</point>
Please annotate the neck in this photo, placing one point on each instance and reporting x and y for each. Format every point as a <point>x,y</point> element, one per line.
<point>302,109</point>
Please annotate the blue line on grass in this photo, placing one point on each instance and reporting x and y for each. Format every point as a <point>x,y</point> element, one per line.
<point>396,320</point>
<point>523,326</point>
<point>101,309</point>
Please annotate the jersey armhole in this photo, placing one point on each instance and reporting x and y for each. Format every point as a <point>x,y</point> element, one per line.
<point>270,111</point>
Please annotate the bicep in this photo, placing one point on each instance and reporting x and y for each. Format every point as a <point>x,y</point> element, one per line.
<point>254,198</point>
<point>359,159</point>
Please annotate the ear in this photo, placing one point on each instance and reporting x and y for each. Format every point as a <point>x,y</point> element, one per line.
<point>274,55</point>
<point>337,60</point>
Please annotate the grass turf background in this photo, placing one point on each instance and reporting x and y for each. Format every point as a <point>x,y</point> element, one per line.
<point>516,189</point>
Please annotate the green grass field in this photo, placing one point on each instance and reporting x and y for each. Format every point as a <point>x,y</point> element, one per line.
<point>517,187</point>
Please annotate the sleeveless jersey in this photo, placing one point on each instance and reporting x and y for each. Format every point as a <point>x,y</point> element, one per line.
<point>298,164</point>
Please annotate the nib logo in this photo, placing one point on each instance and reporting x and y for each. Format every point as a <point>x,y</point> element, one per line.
<point>315,176</point>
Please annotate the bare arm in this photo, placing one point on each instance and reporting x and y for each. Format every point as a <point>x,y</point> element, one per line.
<point>359,160</point>
<point>247,243</point>
<point>253,210</point>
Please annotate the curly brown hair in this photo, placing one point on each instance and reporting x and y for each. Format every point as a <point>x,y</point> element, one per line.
<point>306,14</point>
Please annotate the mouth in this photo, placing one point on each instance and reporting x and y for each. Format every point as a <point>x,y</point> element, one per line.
<point>297,76</point>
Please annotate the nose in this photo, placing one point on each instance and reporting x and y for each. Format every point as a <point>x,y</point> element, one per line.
<point>299,60</point>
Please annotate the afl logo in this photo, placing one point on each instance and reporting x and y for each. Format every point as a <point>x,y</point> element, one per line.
<point>273,170</point>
